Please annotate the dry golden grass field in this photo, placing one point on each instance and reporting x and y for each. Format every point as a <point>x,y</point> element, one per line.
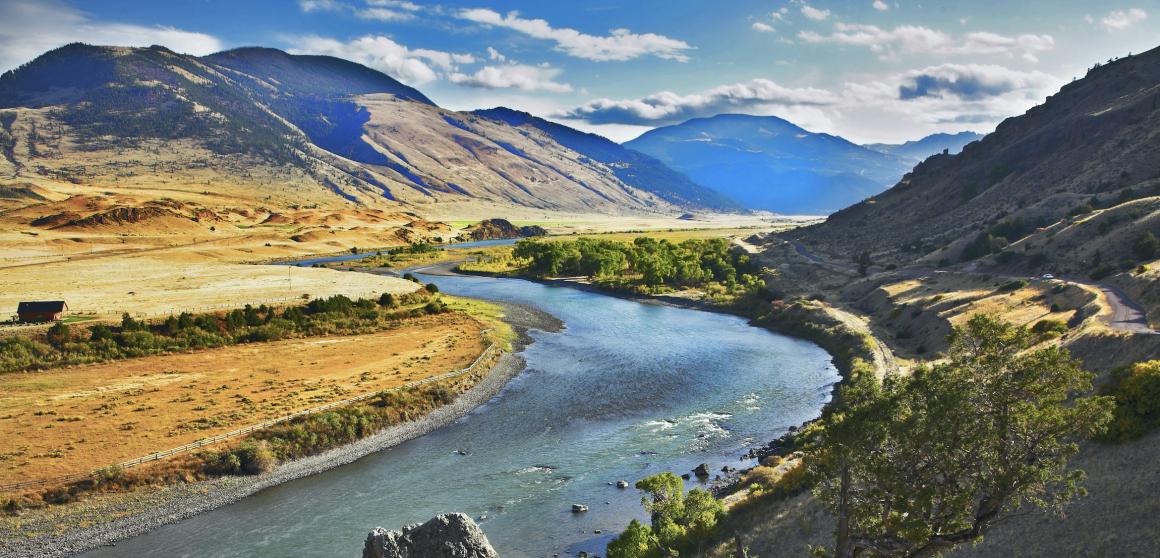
<point>74,420</point>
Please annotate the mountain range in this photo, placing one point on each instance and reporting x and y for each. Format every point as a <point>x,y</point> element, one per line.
<point>769,163</point>
<point>263,124</point>
<point>300,129</point>
<point>916,151</point>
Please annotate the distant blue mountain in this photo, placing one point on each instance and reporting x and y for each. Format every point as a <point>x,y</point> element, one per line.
<point>632,167</point>
<point>768,163</point>
<point>916,151</point>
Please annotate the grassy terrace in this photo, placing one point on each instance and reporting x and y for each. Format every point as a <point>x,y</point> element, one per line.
<point>202,375</point>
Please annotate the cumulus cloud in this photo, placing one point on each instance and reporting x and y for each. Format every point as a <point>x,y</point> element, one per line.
<point>880,5</point>
<point>971,82</point>
<point>514,76</point>
<point>667,107</point>
<point>494,54</point>
<point>813,13</point>
<point>411,66</point>
<point>763,27</point>
<point>29,28</point>
<point>618,45</point>
<point>893,107</point>
<point>1118,20</point>
<point>888,43</point>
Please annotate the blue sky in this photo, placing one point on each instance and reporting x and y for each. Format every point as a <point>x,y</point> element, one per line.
<point>869,70</point>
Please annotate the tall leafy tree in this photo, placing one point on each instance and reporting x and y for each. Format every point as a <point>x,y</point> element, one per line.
<point>934,460</point>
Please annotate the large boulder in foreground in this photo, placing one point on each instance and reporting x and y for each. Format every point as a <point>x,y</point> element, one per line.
<point>445,536</point>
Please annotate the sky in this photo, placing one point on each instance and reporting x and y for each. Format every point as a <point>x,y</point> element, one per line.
<point>867,70</point>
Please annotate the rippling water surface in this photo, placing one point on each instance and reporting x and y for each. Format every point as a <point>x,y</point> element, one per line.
<point>626,390</point>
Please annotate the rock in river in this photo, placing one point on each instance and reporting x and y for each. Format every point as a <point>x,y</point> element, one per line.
<point>445,536</point>
<point>702,471</point>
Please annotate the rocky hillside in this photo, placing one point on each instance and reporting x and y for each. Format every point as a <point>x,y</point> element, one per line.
<point>765,162</point>
<point>497,229</point>
<point>633,167</point>
<point>1093,146</point>
<point>261,124</point>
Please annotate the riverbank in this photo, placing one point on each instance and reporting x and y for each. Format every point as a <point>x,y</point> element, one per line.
<point>848,339</point>
<point>105,519</point>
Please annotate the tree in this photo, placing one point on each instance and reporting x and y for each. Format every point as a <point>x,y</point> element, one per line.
<point>864,262</point>
<point>1147,247</point>
<point>681,523</point>
<point>58,335</point>
<point>928,462</point>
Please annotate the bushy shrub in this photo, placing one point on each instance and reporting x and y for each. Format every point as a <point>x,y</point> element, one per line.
<point>1136,389</point>
<point>1048,329</point>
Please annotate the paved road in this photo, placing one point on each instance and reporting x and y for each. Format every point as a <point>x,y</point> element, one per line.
<point>1127,315</point>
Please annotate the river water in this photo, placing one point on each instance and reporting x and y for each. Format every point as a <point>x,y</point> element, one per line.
<point>624,391</point>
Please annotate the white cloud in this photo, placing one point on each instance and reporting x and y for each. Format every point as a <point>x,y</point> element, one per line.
<point>384,14</point>
<point>880,5</point>
<point>29,28</point>
<point>763,27</point>
<point>666,107</point>
<point>1117,20</point>
<point>321,5</point>
<point>814,13</point>
<point>620,44</point>
<point>891,107</point>
<point>411,66</point>
<point>888,43</point>
<point>400,4</point>
<point>494,54</point>
<point>514,76</point>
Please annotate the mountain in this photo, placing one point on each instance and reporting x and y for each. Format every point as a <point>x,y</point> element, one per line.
<point>1070,185</point>
<point>915,151</point>
<point>633,167</point>
<point>261,124</point>
<point>766,162</point>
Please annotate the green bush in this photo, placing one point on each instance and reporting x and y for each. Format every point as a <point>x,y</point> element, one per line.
<point>1048,329</point>
<point>1136,389</point>
<point>1013,285</point>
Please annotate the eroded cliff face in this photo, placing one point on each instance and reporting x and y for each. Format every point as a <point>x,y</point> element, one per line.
<point>444,536</point>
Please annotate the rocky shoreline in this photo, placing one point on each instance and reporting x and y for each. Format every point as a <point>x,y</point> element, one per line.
<point>173,504</point>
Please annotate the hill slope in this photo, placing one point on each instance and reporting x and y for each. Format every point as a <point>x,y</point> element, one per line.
<point>261,124</point>
<point>633,167</point>
<point>765,162</point>
<point>1095,144</point>
<point>915,151</point>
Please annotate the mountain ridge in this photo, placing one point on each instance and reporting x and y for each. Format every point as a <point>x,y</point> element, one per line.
<point>297,128</point>
<point>767,162</point>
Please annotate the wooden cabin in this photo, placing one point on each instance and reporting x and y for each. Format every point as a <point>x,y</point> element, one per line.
<point>41,310</point>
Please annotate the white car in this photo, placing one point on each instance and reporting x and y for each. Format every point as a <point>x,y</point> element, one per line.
<point>1047,277</point>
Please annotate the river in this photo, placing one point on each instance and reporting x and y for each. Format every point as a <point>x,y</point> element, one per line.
<point>624,391</point>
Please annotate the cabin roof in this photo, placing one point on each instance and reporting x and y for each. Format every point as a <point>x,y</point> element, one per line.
<point>52,306</point>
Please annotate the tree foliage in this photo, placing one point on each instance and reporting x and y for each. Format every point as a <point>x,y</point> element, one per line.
<point>680,523</point>
<point>649,262</point>
<point>918,465</point>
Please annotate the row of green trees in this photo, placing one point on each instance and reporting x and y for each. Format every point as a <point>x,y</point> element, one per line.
<point>645,261</point>
<point>64,345</point>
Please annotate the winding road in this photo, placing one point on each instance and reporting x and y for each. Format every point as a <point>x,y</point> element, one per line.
<point>1127,314</point>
